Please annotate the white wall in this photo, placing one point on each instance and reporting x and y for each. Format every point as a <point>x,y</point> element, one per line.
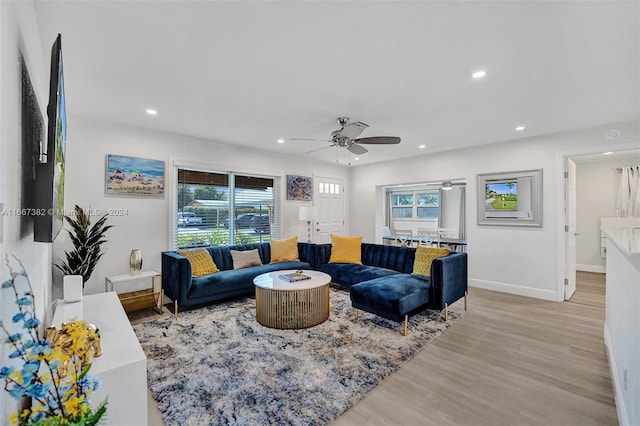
<point>517,260</point>
<point>148,223</point>
<point>596,189</point>
<point>18,33</point>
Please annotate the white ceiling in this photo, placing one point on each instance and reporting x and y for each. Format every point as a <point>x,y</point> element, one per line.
<point>249,73</point>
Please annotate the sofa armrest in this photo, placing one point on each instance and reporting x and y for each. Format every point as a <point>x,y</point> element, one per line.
<point>176,276</point>
<point>448,279</point>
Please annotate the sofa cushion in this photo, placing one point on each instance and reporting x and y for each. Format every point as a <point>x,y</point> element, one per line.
<point>284,250</point>
<point>201,262</point>
<point>424,258</point>
<point>391,297</point>
<point>345,249</point>
<point>349,274</point>
<point>246,258</point>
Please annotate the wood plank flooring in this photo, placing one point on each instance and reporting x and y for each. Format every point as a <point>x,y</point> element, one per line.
<point>509,360</point>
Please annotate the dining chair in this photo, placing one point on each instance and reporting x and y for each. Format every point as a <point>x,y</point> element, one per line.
<point>447,233</point>
<point>426,237</point>
<point>386,235</point>
<point>404,238</point>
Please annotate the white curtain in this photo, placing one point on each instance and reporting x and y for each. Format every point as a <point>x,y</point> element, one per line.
<point>627,202</point>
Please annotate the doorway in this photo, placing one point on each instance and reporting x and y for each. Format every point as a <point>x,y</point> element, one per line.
<point>329,209</point>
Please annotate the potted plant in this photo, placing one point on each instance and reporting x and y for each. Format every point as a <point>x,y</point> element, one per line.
<point>87,241</point>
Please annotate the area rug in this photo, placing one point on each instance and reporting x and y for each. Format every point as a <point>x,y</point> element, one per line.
<point>217,365</point>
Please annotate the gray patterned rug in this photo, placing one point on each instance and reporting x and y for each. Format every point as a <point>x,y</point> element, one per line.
<point>217,365</point>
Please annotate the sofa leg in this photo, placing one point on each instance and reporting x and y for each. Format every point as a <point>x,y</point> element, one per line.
<point>446,312</point>
<point>466,293</point>
<point>175,309</point>
<point>406,323</point>
<point>356,313</point>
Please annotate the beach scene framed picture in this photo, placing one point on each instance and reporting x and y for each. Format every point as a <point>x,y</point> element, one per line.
<point>134,176</point>
<point>299,188</point>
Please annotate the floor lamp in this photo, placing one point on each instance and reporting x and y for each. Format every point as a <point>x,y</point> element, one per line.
<point>307,213</point>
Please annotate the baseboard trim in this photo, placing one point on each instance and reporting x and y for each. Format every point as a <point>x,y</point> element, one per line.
<point>592,268</point>
<point>623,419</point>
<point>515,289</point>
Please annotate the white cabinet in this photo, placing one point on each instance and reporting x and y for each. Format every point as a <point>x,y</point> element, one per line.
<point>122,368</point>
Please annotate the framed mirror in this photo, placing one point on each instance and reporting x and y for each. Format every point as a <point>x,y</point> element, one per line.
<point>510,198</point>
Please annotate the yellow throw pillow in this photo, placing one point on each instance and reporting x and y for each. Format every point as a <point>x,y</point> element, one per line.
<point>284,250</point>
<point>345,249</point>
<point>201,262</point>
<point>424,257</point>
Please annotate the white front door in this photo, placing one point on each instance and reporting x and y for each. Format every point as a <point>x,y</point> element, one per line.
<point>329,209</point>
<point>570,230</point>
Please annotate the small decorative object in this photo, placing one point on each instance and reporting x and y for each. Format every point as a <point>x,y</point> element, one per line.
<point>53,385</point>
<point>299,188</point>
<point>134,176</point>
<point>135,261</point>
<point>86,240</point>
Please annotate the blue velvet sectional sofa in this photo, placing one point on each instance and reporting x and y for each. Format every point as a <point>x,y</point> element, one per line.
<point>383,284</point>
<point>185,290</point>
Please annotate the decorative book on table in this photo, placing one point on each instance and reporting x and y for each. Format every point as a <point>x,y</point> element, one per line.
<point>295,276</point>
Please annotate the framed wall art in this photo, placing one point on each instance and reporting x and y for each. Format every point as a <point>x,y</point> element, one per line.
<point>134,176</point>
<point>510,198</point>
<point>299,188</point>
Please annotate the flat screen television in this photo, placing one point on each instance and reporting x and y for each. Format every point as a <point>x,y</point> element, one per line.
<point>49,196</point>
<point>502,195</point>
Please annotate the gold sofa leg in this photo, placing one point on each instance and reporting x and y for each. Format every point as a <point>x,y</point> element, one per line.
<point>446,312</point>
<point>175,309</point>
<point>406,323</point>
<point>466,293</point>
<point>356,313</point>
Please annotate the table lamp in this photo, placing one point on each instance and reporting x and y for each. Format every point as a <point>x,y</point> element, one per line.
<point>307,213</point>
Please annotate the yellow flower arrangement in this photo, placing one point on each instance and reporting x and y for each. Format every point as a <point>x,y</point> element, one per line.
<point>54,372</point>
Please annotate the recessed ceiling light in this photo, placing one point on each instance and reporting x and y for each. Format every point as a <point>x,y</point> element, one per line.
<point>520,128</point>
<point>607,153</point>
<point>422,146</point>
<point>356,158</point>
<point>479,74</point>
<point>152,111</point>
<point>280,140</point>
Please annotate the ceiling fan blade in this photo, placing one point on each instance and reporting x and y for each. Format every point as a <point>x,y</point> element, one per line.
<point>318,149</point>
<point>379,140</point>
<point>357,149</point>
<point>352,130</point>
<point>306,139</point>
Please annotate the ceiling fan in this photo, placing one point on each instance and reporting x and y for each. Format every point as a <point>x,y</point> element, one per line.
<point>345,137</point>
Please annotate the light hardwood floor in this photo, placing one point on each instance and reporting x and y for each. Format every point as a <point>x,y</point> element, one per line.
<point>509,360</point>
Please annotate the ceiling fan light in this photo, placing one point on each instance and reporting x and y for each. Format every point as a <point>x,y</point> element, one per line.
<point>447,185</point>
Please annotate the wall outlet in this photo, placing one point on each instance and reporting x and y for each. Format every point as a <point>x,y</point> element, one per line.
<point>624,379</point>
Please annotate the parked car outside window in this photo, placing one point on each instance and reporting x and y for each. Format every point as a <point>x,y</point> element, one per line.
<point>188,219</point>
<point>261,224</point>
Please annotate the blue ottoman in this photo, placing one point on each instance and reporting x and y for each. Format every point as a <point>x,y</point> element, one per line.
<point>393,297</point>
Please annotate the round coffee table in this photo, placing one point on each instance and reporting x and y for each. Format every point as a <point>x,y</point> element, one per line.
<point>291,305</point>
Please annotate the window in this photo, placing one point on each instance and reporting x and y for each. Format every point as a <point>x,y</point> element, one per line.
<point>225,209</point>
<point>428,204</point>
<point>402,205</point>
<point>415,205</point>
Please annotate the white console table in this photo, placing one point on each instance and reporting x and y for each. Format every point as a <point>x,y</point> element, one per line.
<point>122,368</point>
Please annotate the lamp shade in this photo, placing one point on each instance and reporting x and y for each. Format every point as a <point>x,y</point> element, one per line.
<point>307,213</point>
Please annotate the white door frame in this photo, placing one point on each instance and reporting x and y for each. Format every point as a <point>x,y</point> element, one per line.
<point>561,183</point>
